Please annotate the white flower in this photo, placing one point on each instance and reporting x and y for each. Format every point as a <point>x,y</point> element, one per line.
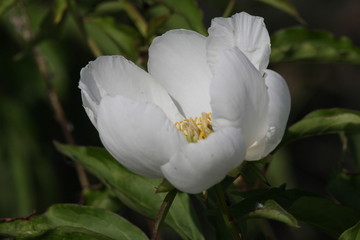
<point>138,114</point>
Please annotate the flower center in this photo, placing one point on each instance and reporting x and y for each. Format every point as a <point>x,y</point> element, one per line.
<point>196,128</point>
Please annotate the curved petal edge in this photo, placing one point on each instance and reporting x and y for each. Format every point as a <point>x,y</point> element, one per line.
<point>198,166</point>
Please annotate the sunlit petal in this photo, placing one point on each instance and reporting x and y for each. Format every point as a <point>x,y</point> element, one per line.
<point>239,96</point>
<point>138,135</point>
<point>177,60</point>
<point>244,31</point>
<point>114,75</point>
<point>279,109</point>
<point>197,166</point>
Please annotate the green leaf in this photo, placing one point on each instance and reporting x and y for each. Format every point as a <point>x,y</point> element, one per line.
<point>264,204</point>
<point>301,44</point>
<point>272,210</point>
<point>125,38</point>
<point>80,220</point>
<point>60,7</point>
<point>285,6</point>
<point>352,233</point>
<point>189,10</point>
<point>5,5</point>
<point>303,206</point>
<point>136,192</point>
<point>324,214</point>
<point>101,198</point>
<point>136,16</point>
<point>68,233</point>
<point>346,189</point>
<point>324,121</point>
<point>108,7</point>
<point>156,22</point>
<point>354,148</point>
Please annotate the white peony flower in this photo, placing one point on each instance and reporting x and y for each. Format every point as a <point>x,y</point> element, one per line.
<point>206,104</point>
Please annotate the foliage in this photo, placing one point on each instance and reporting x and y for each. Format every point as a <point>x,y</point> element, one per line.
<point>45,42</point>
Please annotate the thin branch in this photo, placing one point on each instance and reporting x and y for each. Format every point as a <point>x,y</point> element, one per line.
<point>18,218</point>
<point>23,27</point>
<point>164,209</point>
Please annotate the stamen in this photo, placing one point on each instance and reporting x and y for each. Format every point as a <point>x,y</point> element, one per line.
<point>197,128</point>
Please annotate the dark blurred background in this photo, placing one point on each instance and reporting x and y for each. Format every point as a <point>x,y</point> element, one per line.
<point>33,175</point>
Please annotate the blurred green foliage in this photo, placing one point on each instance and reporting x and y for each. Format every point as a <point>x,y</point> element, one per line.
<point>66,34</point>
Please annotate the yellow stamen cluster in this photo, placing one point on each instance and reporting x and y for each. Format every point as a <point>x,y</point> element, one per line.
<point>196,128</point>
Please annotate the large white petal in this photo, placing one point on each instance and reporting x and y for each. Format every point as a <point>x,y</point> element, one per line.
<point>244,31</point>
<point>238,96</point>
<point>198,166</point>
<point>137,134</point>
<point>114,75</point>
<point>279,109</point>
<point>177,60</point>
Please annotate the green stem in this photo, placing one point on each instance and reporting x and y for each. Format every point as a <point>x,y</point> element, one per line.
<point>164,209</point>
<point>225,212</point>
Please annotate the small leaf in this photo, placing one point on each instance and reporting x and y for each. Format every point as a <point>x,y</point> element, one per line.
<point>70,218</point>
<point>5,5</point>
<point>325,121</point>
<point>189,10</point>
<point>136,192</point>
<point>60,7</point>
<point>352,233</point>
<point>301,44</point>
<point>272,210</point>
<point>285,6</point>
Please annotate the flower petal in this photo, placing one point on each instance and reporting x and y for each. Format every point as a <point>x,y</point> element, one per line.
<point>279,109</point>
<point>198,166</point>
<point>114,75</point>
<point>238,96</point>
<point>138,135</point>
<point>244,31</point>
<point>177,60</point>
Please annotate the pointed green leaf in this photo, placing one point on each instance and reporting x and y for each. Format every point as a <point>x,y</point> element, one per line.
<point>285,6</point>
<point>325,121</point>
<point>60,7</point>
<point>189,10</point>
<point>70,218</point>
<point>352,233</point>
<point>5,5</point>
<point>301,44</point>
<point>136,192</point>
<point>272,210</point>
